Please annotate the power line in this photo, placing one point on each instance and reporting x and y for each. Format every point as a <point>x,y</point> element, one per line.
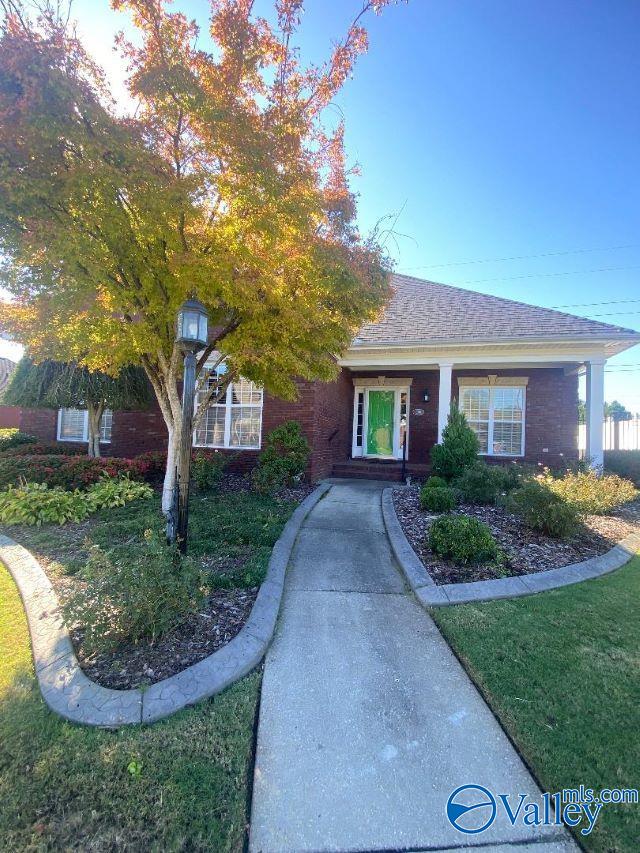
<point>594,304</point>
<point>544,275</point>
<point>523,257</point>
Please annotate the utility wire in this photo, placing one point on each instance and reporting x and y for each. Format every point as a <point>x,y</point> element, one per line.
<point>544,275</point>
<point>594,304</point>
<point>523,257</point>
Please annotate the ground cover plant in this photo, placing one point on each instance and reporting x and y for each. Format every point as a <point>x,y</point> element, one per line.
<point>559,669</point>
<point>133,590</point>
<point>37,504</point>
<point>177,785</point>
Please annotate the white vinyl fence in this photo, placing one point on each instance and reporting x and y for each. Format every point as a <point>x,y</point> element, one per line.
<point>618,435</point>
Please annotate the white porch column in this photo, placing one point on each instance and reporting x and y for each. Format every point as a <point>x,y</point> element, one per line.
<point>595,412</point>
<point>444,396</point>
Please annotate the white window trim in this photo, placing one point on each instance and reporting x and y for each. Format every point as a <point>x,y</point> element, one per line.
<point>481,385</point>
<point>85,428</point>
<point>229,405</point>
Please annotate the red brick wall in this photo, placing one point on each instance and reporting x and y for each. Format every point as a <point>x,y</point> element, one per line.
<point>325,412</point>
<point>551,417</point>
<point>9,417</point>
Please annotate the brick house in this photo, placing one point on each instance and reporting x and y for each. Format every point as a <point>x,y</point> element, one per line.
<point>513,369</point>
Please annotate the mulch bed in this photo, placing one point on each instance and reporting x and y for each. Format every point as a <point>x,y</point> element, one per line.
<point>218,620</point>
<point>526,550</point>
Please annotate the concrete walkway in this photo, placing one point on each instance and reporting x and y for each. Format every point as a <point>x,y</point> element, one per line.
<point>367,720</point>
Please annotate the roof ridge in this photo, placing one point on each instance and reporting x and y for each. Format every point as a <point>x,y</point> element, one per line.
<point>517,302</point>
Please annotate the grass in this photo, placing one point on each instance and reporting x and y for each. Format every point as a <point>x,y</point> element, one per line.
<point>181,784</point>
<point>232,532</point>
<point>561,671</point>
<point>177,785</point>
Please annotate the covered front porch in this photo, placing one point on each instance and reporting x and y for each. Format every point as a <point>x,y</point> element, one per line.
<point>521,402</point>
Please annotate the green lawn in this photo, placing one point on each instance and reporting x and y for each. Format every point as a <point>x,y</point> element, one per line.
<point>561,670</point>
<point>182,784</point>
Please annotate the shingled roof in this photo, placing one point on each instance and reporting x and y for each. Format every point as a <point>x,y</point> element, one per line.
<point>423,312</point>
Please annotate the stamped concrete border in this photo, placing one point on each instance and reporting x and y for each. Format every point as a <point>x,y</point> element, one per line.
<point>68,691</point>
<point>430,594</point>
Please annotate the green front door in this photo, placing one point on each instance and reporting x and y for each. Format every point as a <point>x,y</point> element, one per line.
<point>380,417</point>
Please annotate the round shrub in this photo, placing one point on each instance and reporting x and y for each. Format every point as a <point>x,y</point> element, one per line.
<point>435,482</point>
<point>483,484</point>
<point>284,459</point>
<point>11,437</point>
<point>439,499</point>
<point>462,540</point>
<point>542,509</point>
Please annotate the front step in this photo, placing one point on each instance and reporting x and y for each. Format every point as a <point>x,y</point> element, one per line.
<point>388,471</point>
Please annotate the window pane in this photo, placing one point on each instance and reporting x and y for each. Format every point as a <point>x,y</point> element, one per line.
<point>210,433</point>
<point>245,426</point>
<point>507,404</point>
<point>482,431</point>
<point>246,393</point>
<point>106,422</point>
<point>72,422</point>
<point>360,419</point>
<point>507,438</point>
<point>474,402</point>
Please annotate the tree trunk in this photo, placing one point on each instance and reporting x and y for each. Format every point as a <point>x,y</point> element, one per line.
<point>168,487</point>
<point>94,416</point>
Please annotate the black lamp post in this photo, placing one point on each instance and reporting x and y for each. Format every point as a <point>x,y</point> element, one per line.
<point>191,336</point>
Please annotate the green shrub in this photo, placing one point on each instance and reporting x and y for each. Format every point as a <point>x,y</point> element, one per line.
<point>591,493</point>
<point>284,459</point>
<point>541,509</point>
<point>142,594</point>
<point>37,448</point>
<point>207,469</point>
<point>68,472</point>
<point>110,492</point>
<point>439,499</point>
<point>36,503</point>
<point>624,463</point>
<point>12,437</point>
<point>435,483</point>
<point>462,540</point>
<point>459,448</point>
<point>484,484</point>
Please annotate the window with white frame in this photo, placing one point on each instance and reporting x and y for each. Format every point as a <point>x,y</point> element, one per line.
<point>73,425</point>
<point>496,414</point>
<point>234,421</point>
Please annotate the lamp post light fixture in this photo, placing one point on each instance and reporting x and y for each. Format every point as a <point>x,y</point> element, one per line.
<point>191,337</point>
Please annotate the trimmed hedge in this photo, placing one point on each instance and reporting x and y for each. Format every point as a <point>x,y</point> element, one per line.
<point>438,499</point>
<point>624,463</point>
<point>68,472</point>
<point>462,540</point>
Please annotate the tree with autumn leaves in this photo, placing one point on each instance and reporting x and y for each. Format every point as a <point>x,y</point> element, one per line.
<point>221,182</point>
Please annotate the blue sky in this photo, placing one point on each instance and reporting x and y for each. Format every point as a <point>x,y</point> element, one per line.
<point>492,130</point>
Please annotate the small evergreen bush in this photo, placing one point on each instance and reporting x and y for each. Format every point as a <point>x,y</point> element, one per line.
<point>541,509</point>
<point>284,459</point>
<point>624,463</point>
<point>127,598</point>
<point>484,484</point>
<point>591,493</point>
<point>462,540</point>
<point>435,483</point>
<point>12,437</point>
<point>439,499</point>
<point>459,448</point>
<point>207,469</point>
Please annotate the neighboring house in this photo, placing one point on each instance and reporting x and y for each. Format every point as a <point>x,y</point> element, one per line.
<point>9,415</point>
<point>513,369</point>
